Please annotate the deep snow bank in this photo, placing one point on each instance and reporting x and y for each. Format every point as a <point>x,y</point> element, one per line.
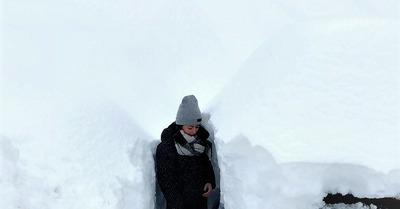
<point>317,87</point>
<point>318,92</point>
<point>133,52</point>
<point>93,156</point>
<point>323,92</point>
<point>251,178</point>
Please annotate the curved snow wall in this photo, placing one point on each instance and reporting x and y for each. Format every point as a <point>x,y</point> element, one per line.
<point>314,110</point>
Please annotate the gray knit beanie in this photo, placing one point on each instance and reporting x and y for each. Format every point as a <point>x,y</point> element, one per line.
<point>188,112</point>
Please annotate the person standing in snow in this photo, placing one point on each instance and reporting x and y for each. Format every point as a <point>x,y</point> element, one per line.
<point>184,170</point>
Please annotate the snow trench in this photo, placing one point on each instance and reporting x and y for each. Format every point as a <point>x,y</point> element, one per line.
<point>214,199</point>
<point>248,176</point>
<point>100,158</point>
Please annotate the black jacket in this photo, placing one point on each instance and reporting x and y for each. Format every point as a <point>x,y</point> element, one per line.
<point>182,178</point>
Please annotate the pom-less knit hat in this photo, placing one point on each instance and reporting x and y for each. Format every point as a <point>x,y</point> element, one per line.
<point>188,112</point>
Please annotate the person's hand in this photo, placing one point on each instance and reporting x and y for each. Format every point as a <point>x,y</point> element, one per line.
<point>207,190</point>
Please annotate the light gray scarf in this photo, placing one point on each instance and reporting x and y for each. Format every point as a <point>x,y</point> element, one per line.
<point>192,147</point>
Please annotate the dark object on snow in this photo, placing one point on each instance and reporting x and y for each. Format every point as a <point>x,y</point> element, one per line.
<point>182,178</point>
<point>381,203</point>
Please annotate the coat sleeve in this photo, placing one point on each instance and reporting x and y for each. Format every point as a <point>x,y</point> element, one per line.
<point>165,176</point>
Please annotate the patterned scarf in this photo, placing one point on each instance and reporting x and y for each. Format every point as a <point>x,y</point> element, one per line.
<point>193,147</point>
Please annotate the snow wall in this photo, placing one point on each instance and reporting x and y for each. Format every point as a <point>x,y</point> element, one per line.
<point>303,97</point>
<point>77,156</point>
<point>313,110</point>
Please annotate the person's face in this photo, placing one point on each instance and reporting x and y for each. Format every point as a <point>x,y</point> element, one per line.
<point>190,129</point>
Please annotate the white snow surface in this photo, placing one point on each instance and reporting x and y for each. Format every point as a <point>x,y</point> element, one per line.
<point>303,98</point>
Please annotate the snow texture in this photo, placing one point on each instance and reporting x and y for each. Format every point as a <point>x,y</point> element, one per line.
<point>302,99</point>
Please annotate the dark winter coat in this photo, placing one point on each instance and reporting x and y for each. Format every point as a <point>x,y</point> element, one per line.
<point>182,178</point>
